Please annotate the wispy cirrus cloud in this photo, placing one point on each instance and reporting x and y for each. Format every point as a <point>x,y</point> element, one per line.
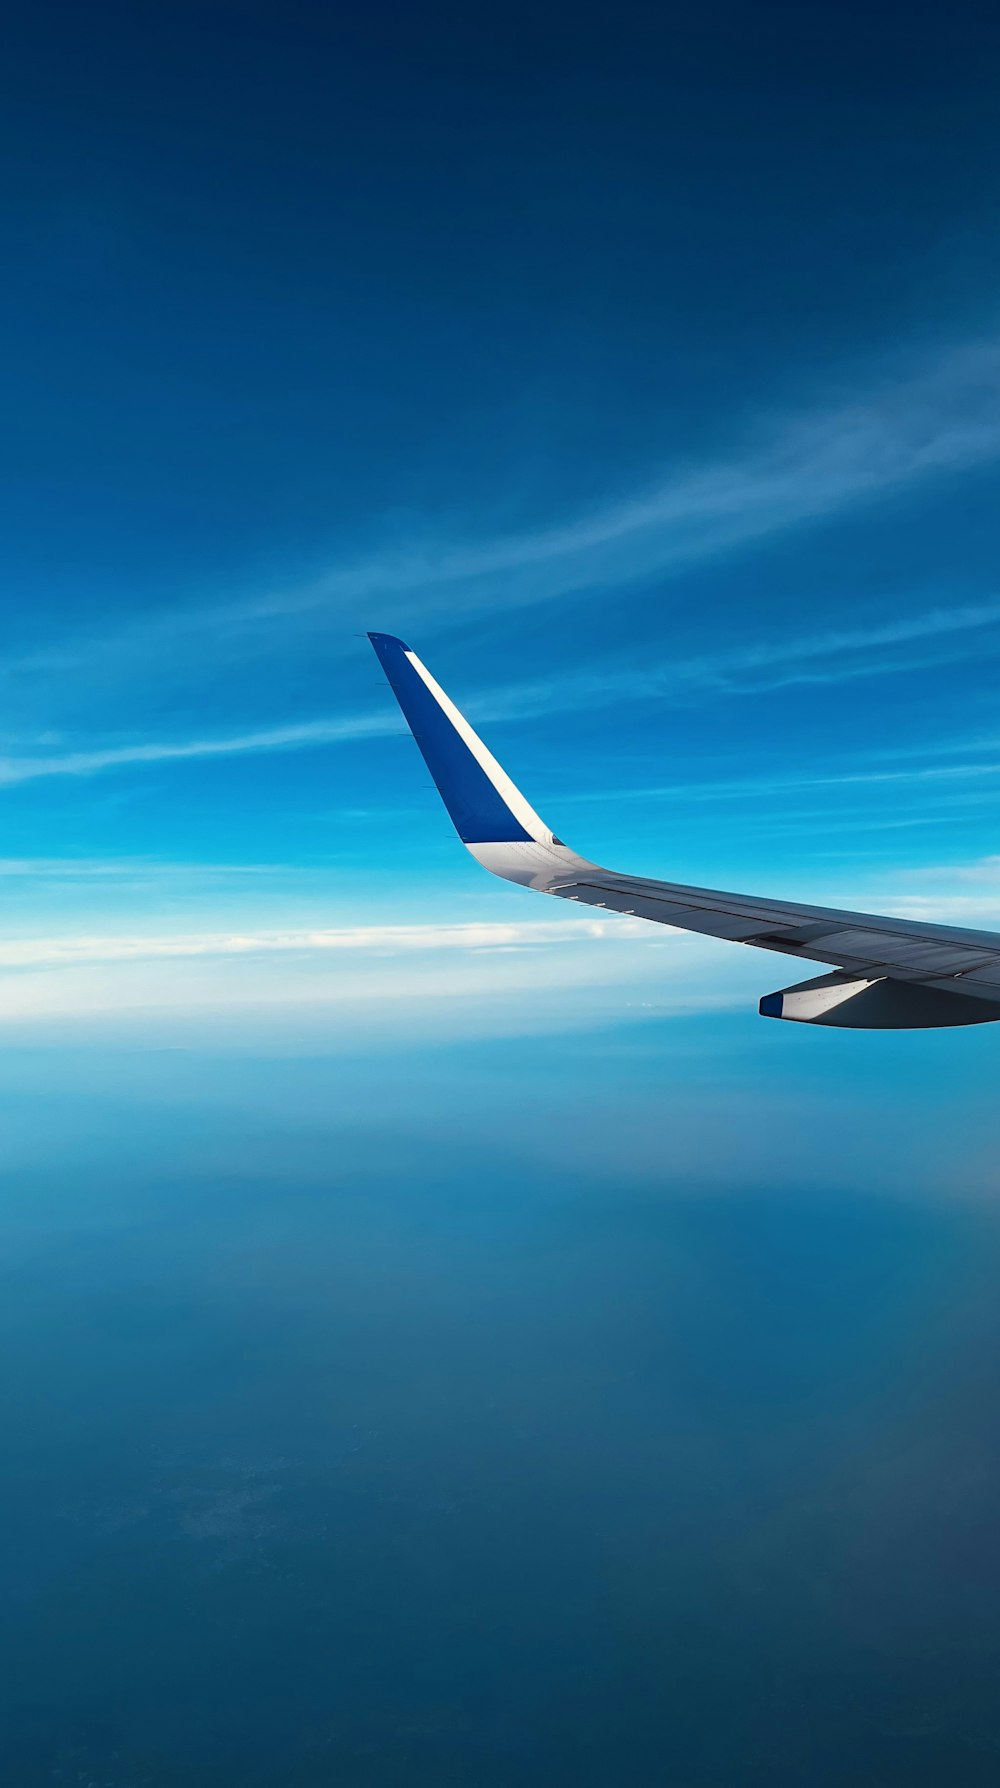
<point>835,655</point>
<point>907,425</point>
<point>103,869</point>
<point>296,736</point>
<point>968,893</point>
<point>942,417</point>
<point>769,783</point>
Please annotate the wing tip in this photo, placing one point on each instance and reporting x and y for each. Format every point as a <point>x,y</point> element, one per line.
<point>387,642</point>
<point>485,806</point>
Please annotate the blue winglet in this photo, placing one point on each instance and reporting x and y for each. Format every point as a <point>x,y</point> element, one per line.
<point>477,808</point>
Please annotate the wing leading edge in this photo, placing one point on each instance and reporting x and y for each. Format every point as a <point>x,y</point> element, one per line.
<point>887,974</point>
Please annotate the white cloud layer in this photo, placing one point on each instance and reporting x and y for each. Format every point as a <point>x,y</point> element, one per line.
<point>403,980</point>
<point>375,940</point>
<point>525,975</point>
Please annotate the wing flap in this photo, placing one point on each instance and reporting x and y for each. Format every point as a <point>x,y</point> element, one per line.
<point>662,910</point>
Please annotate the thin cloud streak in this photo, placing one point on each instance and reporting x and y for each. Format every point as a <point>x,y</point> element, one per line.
<point>739,788</point>
<point>769,664</point>
<point>541,974</point>
<point>942,419</point>
<point>131,869</point>
<point>566,694</point>
<point>294,737</point>
<point>477,938</point>
<point>375,940</point>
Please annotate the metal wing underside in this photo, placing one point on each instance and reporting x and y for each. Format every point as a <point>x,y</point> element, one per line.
<point>850,941</point>
<point>939,974</point>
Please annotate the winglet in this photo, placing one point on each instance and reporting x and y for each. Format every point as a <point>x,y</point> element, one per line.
<point>484,805</point>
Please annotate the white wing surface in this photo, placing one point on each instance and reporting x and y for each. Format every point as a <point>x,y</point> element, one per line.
<point>885,974</point>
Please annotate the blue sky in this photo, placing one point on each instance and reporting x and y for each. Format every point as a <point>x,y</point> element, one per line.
<point>450,1339</point>
<point>643,370</point>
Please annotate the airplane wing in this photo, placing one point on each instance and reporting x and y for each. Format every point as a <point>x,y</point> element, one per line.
<point>883,973</point>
